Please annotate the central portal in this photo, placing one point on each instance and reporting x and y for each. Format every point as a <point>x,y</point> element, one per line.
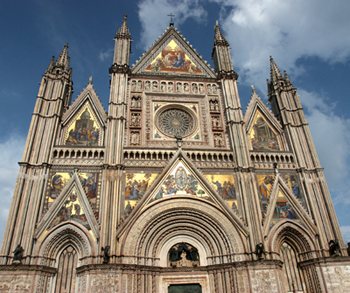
<point>185,288</point>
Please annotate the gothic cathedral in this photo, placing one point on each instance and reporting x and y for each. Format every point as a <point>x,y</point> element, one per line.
<point>174,189</point>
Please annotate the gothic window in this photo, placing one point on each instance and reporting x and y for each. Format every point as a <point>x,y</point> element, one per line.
<point>67,263</point>
<point>290,268</point>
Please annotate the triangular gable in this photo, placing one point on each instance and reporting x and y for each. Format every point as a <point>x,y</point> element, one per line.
<point>91,117</point>
<point>264,130</point>
<point>283,205</point>
<point>170,55</point>
<point>196,186</point>
<point>58,179</point>
<point>72,205</point>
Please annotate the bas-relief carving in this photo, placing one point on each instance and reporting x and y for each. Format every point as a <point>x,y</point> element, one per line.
<point>90,180</point>
<point>337,278</point>
<point>136,185</point>
<point>15,284</point>
<point>105,283</point>
<point>264,281</point>
<point>173,59</point>
<point>262,136</point>
<point>83,130</point>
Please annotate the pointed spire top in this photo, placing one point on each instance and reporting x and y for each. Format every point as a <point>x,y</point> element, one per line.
<point>253,90</point>
<point>275,72</point>
<point>63,59</point>
<point>286,77</point>
<point>219,38</point>
<point>52,62</point>
<point>123,31</point>
<point>90,80</point>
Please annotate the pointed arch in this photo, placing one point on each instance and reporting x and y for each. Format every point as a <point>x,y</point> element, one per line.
<point>51,244</point>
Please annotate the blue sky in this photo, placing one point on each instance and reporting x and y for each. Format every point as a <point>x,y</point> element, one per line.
<point>309,39</point>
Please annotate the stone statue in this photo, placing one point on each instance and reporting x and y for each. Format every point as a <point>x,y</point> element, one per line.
<point>194,88</point>
<point>147,86</point>
<point>162,87</point>
<point>201,88</point>
<point>170,87</point>
<point>139,85</point>
<point>106,256</point>
<point>260,251</point>
<point>139,103</point>
<point>18,254</point>
<point>334,248</point>
<point>179,87</point>
<point>186,87</point>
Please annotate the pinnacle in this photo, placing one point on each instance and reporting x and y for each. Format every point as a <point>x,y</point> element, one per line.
<point>123,31</point>
<point>219,38</point>
<point>63,59</point>
<point>274,71</point>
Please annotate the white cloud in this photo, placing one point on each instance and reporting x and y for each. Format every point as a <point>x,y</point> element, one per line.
<point>11,153</point>
<point>154,19</point>
<point>287,30</point>
<point>346,233</point>
<point>107,54</point>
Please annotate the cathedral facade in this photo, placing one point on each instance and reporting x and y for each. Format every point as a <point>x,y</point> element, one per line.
<point>174,189</point>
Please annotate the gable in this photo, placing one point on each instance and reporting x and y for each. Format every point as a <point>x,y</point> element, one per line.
<point>72,205</point>
<point>179,180</point>
<point>172,55</point>
<point>83,129</point>
<point>283,201</point>
<point>262,135</point>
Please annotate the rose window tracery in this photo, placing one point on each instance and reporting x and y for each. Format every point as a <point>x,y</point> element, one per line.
<point>176,122</point>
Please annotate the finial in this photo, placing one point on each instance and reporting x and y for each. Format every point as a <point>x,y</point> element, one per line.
<point>171,19</point>
<point>90,80</point>
<point>125,16</point>
<point>216,22</point>
<point>253,89</point>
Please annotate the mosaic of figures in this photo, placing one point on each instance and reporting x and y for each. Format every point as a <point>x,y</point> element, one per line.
<point>136,185</point>
<point>283,208</point>
<point>181,182</point>
<point>173,59</point>
<point>225,187</point>
<point>83,130</point>
<point>90,180</point>
<point>170,87</point>
<point>176,121</point>
<point>71,210</point>
<point>262,137</point>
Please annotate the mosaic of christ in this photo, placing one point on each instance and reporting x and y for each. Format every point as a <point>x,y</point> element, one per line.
<point>173,59</point>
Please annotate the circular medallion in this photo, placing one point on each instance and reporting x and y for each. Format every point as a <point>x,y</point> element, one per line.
<point>176,122</point>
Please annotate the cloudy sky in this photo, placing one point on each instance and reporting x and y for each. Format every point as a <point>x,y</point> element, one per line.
<point>308,38</point>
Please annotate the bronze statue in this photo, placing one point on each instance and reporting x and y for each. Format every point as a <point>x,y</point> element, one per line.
<point>334,248</point>
<point>260,251</point>
<point>18,254</point>
<point>106,256</point>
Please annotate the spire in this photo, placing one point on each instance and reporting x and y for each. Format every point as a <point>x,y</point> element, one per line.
<point>63,59</point>
<point>49,68</point>
<point>123,31</point>
<point>275,72</point>
<point>286,77</point>
<point>219,38</point>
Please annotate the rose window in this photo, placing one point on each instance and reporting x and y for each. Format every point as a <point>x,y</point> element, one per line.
<point>176,122</point>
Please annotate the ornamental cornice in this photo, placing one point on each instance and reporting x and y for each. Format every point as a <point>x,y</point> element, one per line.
<point>35,268</point>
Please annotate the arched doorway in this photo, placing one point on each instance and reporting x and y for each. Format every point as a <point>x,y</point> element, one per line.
<point>290,268</point>
<point>67,263</point>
